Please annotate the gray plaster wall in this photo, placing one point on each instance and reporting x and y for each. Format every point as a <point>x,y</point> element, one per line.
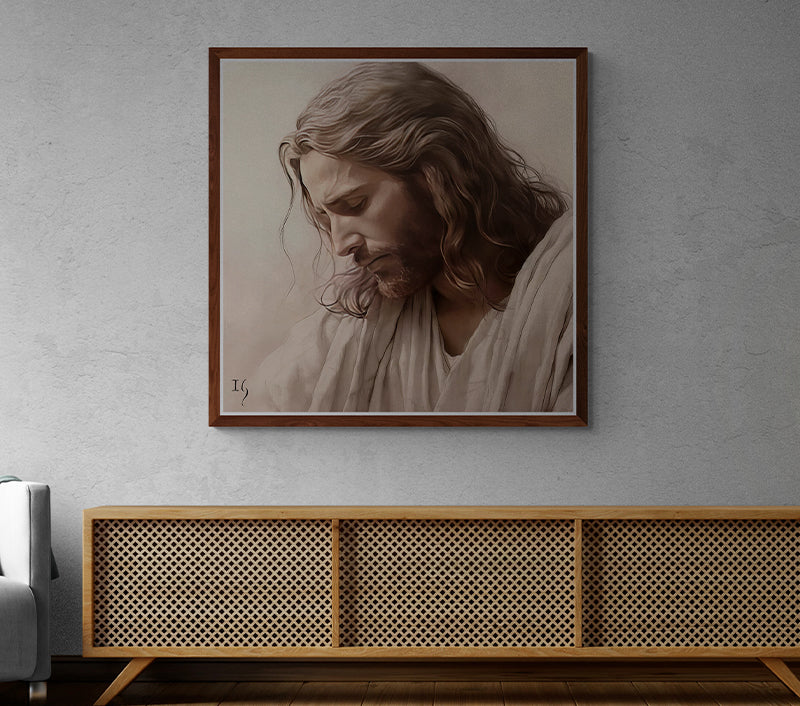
<point>694,232</point>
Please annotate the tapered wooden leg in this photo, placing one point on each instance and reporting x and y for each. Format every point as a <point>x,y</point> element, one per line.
<point>779,668</point>
<point>132,670</point>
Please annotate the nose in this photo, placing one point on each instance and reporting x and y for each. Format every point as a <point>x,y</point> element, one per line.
<point>345,238</point>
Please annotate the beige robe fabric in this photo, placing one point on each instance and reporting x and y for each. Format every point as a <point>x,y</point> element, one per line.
<point>517,360</point>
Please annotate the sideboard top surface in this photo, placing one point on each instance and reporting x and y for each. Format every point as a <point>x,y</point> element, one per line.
<point>447,512</point>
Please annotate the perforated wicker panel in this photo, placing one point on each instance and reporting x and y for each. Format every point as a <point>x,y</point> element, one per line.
<point>437,583</point>
<point>212,583</point>
<point>675,584</point>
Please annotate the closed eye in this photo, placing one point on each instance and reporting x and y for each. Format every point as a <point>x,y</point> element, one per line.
<point>347,206</point>
<point>350,207</point>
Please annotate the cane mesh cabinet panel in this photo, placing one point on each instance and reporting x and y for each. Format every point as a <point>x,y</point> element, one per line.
<point>463,583</point>
<point>211,583</point>
<point>716,583</point>
<point>361,582</point>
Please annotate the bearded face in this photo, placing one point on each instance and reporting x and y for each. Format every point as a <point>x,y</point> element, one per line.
<point>380,222</point>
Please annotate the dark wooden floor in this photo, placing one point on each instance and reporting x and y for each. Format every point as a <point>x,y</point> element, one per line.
<point>428,693</point>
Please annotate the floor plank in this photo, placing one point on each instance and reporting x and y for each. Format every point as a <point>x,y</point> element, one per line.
<point>776,688</point>
<point>737,693</point>
<point>620,693</point>
<point>13,693</point>
<point>73,693</point>
<point>543,693</point>
<point>448,693</point>
<point>675,693</point>
<point>174,694</point>
<point>331,694</point>
<point>263,693</point>
<point>393,693</point>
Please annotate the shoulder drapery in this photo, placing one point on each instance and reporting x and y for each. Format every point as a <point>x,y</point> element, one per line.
<point>517,360</point>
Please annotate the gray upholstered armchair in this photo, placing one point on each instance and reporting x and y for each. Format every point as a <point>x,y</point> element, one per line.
<point>25,573</point>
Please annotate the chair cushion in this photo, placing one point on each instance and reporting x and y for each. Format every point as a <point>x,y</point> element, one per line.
<point>17,630</point>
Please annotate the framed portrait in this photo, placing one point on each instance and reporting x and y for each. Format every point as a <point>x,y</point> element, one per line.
<point>398,237</point>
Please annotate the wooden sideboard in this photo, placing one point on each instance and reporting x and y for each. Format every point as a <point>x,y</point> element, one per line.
<point>508,582</point>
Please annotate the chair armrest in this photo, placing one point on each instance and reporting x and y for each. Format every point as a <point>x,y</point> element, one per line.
<point>25,553</point>
<point>25,532</point>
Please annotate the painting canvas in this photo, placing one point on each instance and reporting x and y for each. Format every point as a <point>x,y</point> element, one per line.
<point>398,237</point>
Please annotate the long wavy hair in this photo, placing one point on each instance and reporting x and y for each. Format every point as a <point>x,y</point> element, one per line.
<point>408,120</point>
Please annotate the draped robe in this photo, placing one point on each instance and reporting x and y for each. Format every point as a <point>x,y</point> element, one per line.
<point>519,359</point>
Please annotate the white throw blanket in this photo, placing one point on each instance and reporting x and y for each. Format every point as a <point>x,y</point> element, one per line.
<point>517,360</point>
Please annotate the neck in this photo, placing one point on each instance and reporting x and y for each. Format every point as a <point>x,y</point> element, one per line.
<point>459,311</point>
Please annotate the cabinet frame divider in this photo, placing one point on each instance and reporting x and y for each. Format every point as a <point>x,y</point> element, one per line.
<point>578,583</point>
<point>335,632</point>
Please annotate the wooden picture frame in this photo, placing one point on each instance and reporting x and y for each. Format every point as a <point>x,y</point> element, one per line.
<point>262,277</point>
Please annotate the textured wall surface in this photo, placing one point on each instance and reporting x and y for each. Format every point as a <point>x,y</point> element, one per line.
<point>694,231</point>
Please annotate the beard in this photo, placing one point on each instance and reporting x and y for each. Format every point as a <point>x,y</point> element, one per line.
<point>402,270</point>
<point>412,263</point>
<point>390,272</point>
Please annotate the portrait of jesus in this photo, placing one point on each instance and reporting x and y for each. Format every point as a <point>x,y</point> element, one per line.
<point>436,272</point>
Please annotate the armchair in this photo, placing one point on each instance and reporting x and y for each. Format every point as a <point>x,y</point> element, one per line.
<point>25,573</point>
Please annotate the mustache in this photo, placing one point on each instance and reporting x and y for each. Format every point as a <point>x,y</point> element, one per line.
<point>365,259</point>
